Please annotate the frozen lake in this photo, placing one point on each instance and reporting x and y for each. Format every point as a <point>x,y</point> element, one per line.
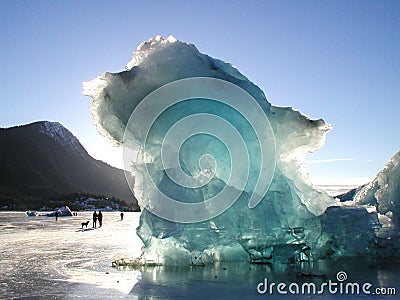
<point>42,258</point>
<point>45,259</point>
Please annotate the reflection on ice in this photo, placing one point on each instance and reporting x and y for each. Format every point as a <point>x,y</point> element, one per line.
<point>240,280</point>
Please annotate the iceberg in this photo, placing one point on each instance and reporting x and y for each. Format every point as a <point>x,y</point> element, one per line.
<point>218,171</point>
<point>383,194</point>
<point>63,211</point>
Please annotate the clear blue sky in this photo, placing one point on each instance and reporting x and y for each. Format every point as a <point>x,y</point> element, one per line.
<point>336,60</point>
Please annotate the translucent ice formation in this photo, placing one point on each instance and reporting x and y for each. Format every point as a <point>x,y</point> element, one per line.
<point>233,152</point>
<point>384,191</point>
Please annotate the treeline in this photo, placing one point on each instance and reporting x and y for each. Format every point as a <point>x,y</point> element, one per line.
<point>75,201</point>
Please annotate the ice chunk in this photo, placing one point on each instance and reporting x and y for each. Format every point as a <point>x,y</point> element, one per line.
<point>384,194</point>
<point>383,191</point>
<point>352,230</point>
<point>227,147</point>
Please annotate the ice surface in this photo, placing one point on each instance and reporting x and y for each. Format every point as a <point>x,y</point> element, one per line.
<point>289,223</point>
<point>45,259</point>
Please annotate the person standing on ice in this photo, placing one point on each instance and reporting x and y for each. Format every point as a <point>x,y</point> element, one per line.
<point>122,216</point>
<point>56,215</point>
<point>94,219</point>
<point>100,218</point>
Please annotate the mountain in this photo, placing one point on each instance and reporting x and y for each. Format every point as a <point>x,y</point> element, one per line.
<point>44,160</point>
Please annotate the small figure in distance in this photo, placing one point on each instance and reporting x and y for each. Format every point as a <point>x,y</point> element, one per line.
<point>122,215</point>
<point>100,218</point>
<point>94,219</point>
<point>56,215</point>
